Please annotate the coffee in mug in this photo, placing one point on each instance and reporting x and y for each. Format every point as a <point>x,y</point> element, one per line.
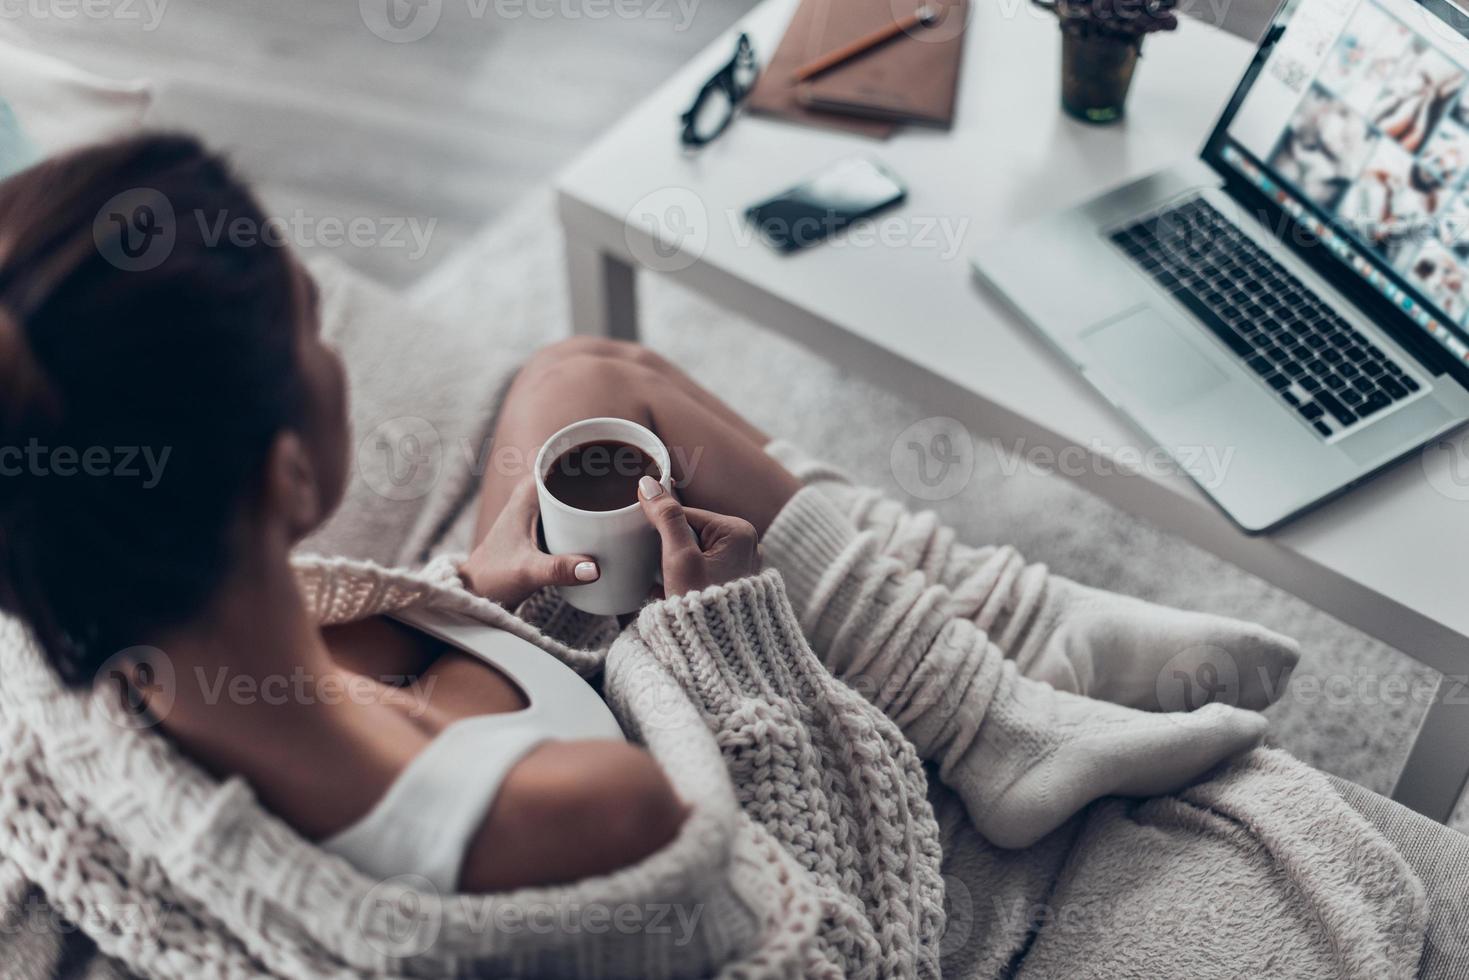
<point>587,484</point>
<point>599,475</point>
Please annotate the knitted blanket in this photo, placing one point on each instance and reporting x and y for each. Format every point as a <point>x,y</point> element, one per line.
<point>818,844</point>
<point>824,864</point>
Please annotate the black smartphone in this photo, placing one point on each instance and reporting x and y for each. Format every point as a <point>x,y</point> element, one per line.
<point>825,203</point>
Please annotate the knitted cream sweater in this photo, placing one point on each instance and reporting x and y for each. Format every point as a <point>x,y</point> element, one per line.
<point>810,850</point>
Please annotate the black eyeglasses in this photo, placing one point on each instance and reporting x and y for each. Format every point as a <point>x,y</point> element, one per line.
<point>714,107</point>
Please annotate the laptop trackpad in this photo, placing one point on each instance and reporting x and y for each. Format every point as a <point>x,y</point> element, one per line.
<point>1150,361</point>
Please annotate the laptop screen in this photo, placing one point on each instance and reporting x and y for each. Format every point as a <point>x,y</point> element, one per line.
<point>1354,120</point>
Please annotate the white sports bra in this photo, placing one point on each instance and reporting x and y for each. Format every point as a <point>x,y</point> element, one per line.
<point>426,820</point>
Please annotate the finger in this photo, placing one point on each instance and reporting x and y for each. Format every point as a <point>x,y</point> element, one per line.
<point>708,523</point>
<point>563,570</point>
<point>666,515</point>
<point>699,519</point>
<point>523,504</point>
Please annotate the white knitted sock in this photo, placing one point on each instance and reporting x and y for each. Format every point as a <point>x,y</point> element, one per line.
<point>1023,756</point>
<point>1136,653</point>
<point>1042,754</point>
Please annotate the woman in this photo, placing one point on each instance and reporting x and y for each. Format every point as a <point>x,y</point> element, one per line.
<point>214,353</point>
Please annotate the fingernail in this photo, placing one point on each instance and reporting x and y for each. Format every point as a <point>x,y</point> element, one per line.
<point>650,488</point>
<point>586,571</point>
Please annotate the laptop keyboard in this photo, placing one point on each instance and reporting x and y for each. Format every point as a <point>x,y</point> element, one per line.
<point>1326,370</point>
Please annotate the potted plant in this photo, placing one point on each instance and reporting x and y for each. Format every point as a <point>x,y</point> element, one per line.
<point>1100,44</point>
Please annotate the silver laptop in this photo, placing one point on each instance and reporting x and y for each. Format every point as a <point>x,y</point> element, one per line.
<point>1288,313</point>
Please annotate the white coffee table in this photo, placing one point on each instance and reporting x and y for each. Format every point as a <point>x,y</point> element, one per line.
<point>1389,558</point>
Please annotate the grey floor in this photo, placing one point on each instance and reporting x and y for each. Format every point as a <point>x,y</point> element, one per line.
<point>331,120</point>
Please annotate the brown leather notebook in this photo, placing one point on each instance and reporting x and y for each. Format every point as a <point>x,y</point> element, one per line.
<point>775,90</point>
<point>912,78</point>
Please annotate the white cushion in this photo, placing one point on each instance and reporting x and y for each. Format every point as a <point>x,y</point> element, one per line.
<point>61,106</point>
<point>424,391</point>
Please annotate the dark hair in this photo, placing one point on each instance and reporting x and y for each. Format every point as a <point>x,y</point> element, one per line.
<point>129,329</point>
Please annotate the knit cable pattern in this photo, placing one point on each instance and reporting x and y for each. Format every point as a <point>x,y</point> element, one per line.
<point>830,776</point>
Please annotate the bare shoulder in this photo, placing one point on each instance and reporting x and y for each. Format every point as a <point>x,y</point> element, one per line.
<point>572,810</point>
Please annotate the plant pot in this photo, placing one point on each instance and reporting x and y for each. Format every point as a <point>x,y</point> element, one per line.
<point>1096,72</point>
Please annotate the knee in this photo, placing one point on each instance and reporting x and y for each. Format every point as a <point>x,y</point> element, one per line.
<point>597,347</point>
<point>588,375</point>
<point>569,348</point>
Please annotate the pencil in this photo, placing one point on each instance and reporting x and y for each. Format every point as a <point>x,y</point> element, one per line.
<point>921,17</point>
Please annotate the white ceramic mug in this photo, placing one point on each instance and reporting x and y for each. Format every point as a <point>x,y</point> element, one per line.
<point>622,542</point>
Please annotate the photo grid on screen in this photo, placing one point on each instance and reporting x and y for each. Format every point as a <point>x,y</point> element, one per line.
<point>1380,139</point>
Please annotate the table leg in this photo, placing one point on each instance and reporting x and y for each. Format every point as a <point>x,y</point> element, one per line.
<point>603,292</point>
<point>1437,768</point>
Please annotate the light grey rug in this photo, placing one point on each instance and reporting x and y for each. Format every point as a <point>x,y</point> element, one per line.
<point>1333,715</point>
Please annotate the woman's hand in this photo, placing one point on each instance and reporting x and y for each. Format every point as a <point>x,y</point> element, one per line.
<point>700,548</point>
<point>508,566</point>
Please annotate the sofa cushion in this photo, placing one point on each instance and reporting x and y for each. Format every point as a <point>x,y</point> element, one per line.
<point>424,390</point>
<point>1439,856</point>
<point>60,106</point>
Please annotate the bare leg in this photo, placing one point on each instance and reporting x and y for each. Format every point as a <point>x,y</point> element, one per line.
<point>622,350</point>
<point>719,462</point>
